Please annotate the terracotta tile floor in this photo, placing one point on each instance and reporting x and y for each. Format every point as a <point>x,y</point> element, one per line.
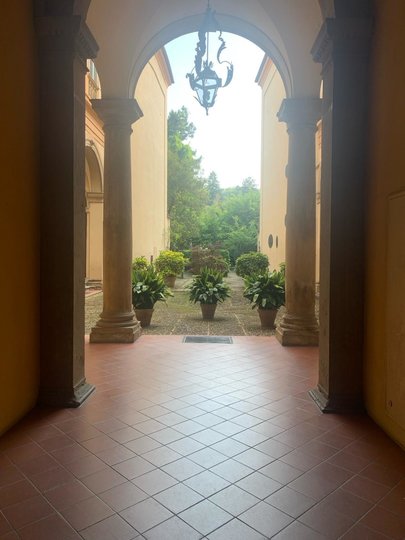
<point>184,441</point>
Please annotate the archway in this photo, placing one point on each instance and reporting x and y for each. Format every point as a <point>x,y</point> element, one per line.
<point>94,215</point>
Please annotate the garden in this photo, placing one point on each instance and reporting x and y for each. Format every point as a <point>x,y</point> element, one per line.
<point>204,279</point>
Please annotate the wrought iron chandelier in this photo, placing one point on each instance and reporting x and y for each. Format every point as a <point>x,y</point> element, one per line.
<point>203,79</point>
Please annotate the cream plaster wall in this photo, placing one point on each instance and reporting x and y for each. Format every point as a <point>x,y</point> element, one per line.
<point>385,231</point>
<point>19,216</point>
<point>149,162</point>
<point>274,160</point>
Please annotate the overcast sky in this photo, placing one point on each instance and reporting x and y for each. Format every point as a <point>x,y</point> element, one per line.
<point>229,138</point>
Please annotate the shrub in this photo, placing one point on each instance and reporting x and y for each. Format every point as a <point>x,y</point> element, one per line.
<point>251,263</point>
<point>148,287</point>
<point>209,257</point>
<point>170,263</point>
<point>208,287</point>
<point>139,263</point>
<point>265,291</point>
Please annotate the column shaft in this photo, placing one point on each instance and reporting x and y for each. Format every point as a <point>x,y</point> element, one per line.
<point>117,323</point>
<point>299,325</point>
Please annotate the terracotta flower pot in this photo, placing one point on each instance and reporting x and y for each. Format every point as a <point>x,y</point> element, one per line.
<point>208,311</point>
<point>144,316</point>
<point>170,281</point>
<point>267,317</point>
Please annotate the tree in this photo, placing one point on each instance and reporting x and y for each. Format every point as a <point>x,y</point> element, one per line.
<point>186,189</point>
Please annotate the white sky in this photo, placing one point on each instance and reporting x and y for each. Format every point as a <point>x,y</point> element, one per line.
<point>229,138</point>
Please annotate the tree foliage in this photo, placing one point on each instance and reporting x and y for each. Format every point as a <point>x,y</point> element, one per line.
<point>200,212</point>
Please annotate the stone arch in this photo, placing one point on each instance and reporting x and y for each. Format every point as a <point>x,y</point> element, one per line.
<point>94,213</point>
<point>228,23</point>
<point>94,176</point>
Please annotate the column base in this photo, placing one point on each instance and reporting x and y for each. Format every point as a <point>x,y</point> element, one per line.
<point>65,397</point>
<point>116,334</point>
<point>337,404</point>
<point>297,337</point>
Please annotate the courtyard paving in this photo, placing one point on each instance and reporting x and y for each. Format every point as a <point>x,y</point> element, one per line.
<point>234,317</point>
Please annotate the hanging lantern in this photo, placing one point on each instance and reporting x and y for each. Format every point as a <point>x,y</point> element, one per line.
<point>203,79</point>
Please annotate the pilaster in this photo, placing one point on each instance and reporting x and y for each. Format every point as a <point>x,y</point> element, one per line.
<point>65,43</point>
<point>343,46</point>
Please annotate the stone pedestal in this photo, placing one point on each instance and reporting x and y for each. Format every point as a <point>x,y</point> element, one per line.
<point>117,323</point>
<point>65,43</point>
<point>342,47</point>
<point>299,325</point>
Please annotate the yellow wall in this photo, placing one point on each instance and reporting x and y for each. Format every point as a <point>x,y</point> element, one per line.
<point>385,300</point>
<point>149,163</point>
<point>274,160</point>
<point>19,216</point>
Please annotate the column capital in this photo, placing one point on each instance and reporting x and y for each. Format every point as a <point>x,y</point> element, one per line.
<point>117,111</point>
<point>66,33</point>
<point>345,36</point>
<point>304,112</point>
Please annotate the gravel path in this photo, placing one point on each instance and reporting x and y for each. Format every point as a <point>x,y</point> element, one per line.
<point>234,317</point>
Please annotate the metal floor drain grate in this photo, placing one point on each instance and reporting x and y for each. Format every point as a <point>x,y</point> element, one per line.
<point>226,340</point>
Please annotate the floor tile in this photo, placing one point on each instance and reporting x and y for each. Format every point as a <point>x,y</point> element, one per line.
<point>265,519</point>
<point>290,502</point>
<point>142,445</point>
<point>208,437</point>
<point>250,439</point>
<point>205,517</point>
<point>178,498</point>
<point>86,513</point>
<point>134,467</point>
<point>49,528</point>
<point>254,458</point>
<point>161,456</point>
<point>112,528</point>
<point>173,529</point>
<point>299,531</point>
<point>206,483</point>
<point>207,457</point>
<point>231,470</point>
<point>28,511</point>
<point>259,485</point>
<point>68,494</point>
<point>385,522</point>
<point>234,500</point>
<point>182,469</point>
<point>155,481</point>
<point>236,530</point>
<point>123,496</point>
<point>327,521</point>
<point>146,515</point>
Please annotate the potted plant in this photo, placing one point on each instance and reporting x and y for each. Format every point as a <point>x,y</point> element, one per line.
<point>266,292</point>
<point>148,287</point>
<point>209,289</point>
<point>170,264</point>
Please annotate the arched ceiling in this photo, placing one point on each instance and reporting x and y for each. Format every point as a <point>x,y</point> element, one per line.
<point>129,32</point>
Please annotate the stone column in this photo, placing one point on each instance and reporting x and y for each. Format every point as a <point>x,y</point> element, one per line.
<point>65,43</point>
<point>299,325</point>
<point>117,323</point>
<point>342,47</point>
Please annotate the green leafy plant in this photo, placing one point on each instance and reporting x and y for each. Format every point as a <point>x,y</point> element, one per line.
<point>208,287</point>
<point>148,287</point>
<point>265,291</point>
<point>139,263</point>
<point>251,263</point>
<point>170,263</point>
